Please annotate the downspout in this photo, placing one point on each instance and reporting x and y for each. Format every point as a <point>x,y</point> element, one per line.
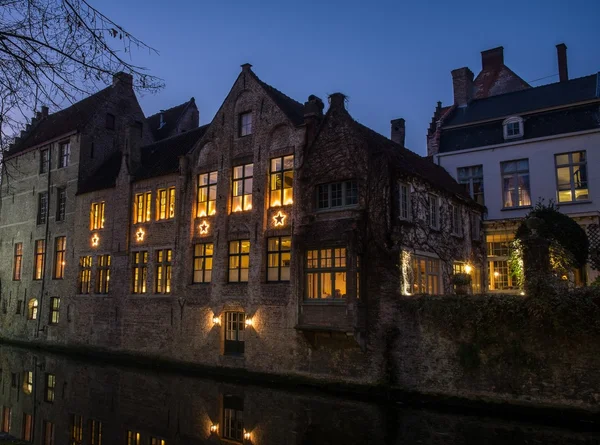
<point>46,245</point>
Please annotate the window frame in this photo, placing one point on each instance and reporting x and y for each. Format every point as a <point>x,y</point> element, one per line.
<point>32,308</point>
<point>345,186</point>
<point>102,285</point>
<point>433,211</point>
<point>97,212</point>
<point>163,268</point>
<point>203,259</point>
<point>404,201</point>
<point>27,427</point>
<point>244,199</point>
<point>60,253</point>
<point>165,203</point>
<point>27,382</point>
<point>470,178</point>
<point>234,336</point>
<point>61,203</point>
<point>279,261</point>
<point>18,262</point>
<point>515,175</point>
<point>44,161</point>
<point>139,276</point>
<point>43,206</point>
<point>313,266</point>
<point>84,280</point>
<point>511,121</point>
<point>233,419</point>
<point>206,190</point>
<point>6,419</point>
<point>95,427</point>
<point>142,207</point>
<point>133,437</point>
<point>277,176</point>
<point>456,223</point>
<point>245,128</point>
<point>64,154</point>
<point>54,314</point>
<point>76,430</point>
<point>50,387</point>
<point>571,165</point>
<point>47,433</point>
<point>39,259</point>
<point>422,279</point>
<point>238,256</point>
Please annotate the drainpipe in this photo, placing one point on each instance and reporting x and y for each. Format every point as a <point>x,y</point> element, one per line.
<point>46,245</point>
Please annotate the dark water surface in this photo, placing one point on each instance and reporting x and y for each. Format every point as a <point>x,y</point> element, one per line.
<point>57,400</point>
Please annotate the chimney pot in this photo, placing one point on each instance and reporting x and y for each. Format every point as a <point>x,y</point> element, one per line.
<point>124,79</point>
<point>462,83</point>
<point>492,58</point>
<point>563,71</point>
<point>398,131</point>
<point>313,106</point>
<point>44,111</point>
<point>337,100</point>
<point>246,67</point>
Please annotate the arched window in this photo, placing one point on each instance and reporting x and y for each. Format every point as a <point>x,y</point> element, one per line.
<point>513,127</point>
<point>32,307</point>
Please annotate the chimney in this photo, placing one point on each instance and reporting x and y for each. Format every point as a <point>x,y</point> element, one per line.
<point>124,79</point>
<point>462,83</point>
<point>563,71</point>
<point>492,58</point>
<point>398,131</point>
<point>44,111</point>
<point>313,113</point>
<point>246,67</point>
<point>337,101</point>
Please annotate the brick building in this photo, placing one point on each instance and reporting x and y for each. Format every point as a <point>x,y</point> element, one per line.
<point>271,239</point>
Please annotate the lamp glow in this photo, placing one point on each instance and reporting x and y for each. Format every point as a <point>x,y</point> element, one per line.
<point>214,428</point>
<point>246,435</point>
<point>216,319</point>
<point>468,268</point>
<point>248,321</point>
<point>496,274</point>
<point>203,228</point>
<point>95,240</point>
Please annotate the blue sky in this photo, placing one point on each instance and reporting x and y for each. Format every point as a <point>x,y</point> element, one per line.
<point>391,58</point>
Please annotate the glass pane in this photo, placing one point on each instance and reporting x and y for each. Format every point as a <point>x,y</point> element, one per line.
<point>286,243</point>
<point>209,249</point>
<point>285,274</point>
<point>276,164</point>
<point>238,172</point>
<point>340,285</point>
<point>562,159</point>
<point>273,244</point>
<point>248,169</point>
<point>244,275</point>
<point>233,275</point>
<point>288,197</point>
<point>236,204</point>
<point>326,291</point>
<point>245,246</point>
<point>203,180</point>
<point>564,176</point>
<point>288,179</point>
<point>580,176</point>
<point>248,202</point>
<point>288,162</point>
<point>336,195</point>
<point>213,177</point>
<point>272,274</point>
<point>276,181</point>
<point>523,165</point>
<point>273,260</point>
<point>234,247</point>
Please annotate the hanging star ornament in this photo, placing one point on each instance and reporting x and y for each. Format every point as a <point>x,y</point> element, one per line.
<point>140,234</point>
<point>95,240</point>
<point>203,228</point>
<point>279,219</point>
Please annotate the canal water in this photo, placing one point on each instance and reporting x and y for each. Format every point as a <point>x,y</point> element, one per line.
<point>56,400</point>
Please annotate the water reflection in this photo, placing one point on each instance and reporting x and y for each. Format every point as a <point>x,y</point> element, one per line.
<point>52,400</point>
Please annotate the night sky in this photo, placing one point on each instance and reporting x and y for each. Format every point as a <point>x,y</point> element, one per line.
<point>391,58</point>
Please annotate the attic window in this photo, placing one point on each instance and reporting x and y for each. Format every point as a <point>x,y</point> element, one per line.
<point>110,121</point>
<point>513,127</point>
<point>245,124</point>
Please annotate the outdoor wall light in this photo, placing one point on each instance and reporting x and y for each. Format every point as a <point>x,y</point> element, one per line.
<point>468,268</point>
<point>216,319</point>
<point>496,274</point>
<point>249,321</point>
<point>246,433</point>
<point>95,240</point>
<point>214,428</point>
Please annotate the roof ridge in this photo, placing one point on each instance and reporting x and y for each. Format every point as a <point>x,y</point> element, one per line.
<point>285,103</point>
<point>186,103</point>
<point>176,136</point>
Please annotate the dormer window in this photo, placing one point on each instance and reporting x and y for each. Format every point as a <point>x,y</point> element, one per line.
<point>513,127</point>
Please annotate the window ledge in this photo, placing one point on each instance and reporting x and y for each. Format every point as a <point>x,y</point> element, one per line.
<point>337,209</point>
<point>505,209</point>
<point>570,203</point>
<point>324,301</point>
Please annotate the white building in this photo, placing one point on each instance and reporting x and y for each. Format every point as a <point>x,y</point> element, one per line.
<point>513,145</point>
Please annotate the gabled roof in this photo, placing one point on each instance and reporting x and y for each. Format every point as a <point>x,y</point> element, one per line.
<point>170,118</point>
<point>491,82</point>
<point>293,109</point>
<point>104,177</point>
<point>528,100</point>
<point>162,157</point>
<point>62,122</point>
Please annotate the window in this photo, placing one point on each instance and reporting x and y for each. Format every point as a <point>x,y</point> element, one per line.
<point>515,183</point>
<point>207,194</point>
<point>18,262</point>
<point>76,430</point>
<point>40,254</point>
<point>571,176</point>
<point>282,181</point>
<point>28,382</point>
<point>472,179</point>
<point>50,387</point>
<point>498,252</point>
<point>279,258</point>
<point>133,438</point>
<point>27,427</point>
<point>433,213</point>
<point>326,273</point>
<point>246,124</point>
<point>32,309</point>
<point>103,274</point>
<point>239,259</point>
<point>6,420</point>
<point>85,275</point>
<point>97,215</point>
<point>165,203</point>
<point>404,201</point>
<point>203,257</point>
<point>142,210</point>
<point>513,127</point>
<point>61,204</point>
<point>60,249</point>
<point>140,272</point>
<point>242,188</point>
<point>233,418</point>
<point>48,433</point>
<point>455,220</point>
<point>95,432</point>
<point>157,441</point>
<point>338,194</point>
<point>44,160</point>
<point>426,275</point>
<point>42,213</point>
<point>54,309</point>
<point>163,271</point>
<point>110,121</point>
<point>64,154</point>
<point>234,332</point>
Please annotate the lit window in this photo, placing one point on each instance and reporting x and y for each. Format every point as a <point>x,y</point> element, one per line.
<point>426,275</point>
<point>18,261</point>
<point>40,255</point>
<point>32,309</point>
<point>50,388</point>
<point>140,272</point>
<point>64,154</point>
<point>242,188</point>
<point>203,258</point>
<point>239,260</point>
<point>6,420</point>
<point>515,183</point>
<point>48,433</point>
<point>142,210</point>
<point>157,441</point>
<point>245,124</point>
<point>405,201</point>
<point>165,203</point>
<point>513,127</point>
<point>498,253</point>
<point>455,220</point>
<point>326,273</point>
<point>472,179</point>
<point>60,250</point>
<point>27,427</point>
<point>95,432</point>
<point>42,213</point>
<point>44,160</point>
<point>207,194</point>
<point>85,274</point>
<point>338,194</point>
<point>28,382</point>
<point>234,332</point>
<point>54,309</point>
<point>282,181</point>
<point>61,204</point>
<point>133,438</point>
<point>571,176</point>
<point>233,418</point>
<point>97,216</point>
<point>433,212</point>
<point>279,258</point>
<point>163,271</point>
<point>103,274</point>
<point>76,430</point>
